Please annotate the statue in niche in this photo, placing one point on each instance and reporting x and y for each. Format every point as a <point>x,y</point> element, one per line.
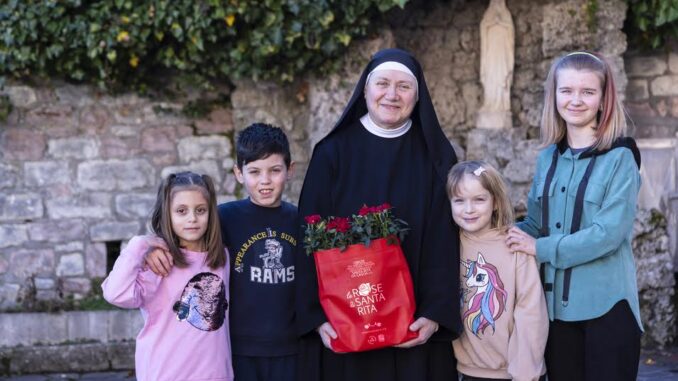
<point>496,66</point>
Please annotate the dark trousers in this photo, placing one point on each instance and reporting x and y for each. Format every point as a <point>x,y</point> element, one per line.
<point>279,368</point>
<point>604,348</point>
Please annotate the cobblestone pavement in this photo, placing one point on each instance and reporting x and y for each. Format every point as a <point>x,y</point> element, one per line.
<point>654,366</point>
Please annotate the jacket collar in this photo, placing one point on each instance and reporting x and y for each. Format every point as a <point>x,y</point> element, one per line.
<point>621,142</point>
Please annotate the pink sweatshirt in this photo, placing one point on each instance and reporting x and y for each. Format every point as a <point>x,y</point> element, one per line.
<point>503,312</point>
<point>185,334</point>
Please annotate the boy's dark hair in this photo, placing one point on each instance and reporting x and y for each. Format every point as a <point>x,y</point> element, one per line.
<point>259,141</point>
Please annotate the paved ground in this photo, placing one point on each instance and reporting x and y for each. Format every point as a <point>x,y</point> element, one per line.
<point>654,366</point>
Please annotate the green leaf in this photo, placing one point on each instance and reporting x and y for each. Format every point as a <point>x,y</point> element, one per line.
<point>111,55</point>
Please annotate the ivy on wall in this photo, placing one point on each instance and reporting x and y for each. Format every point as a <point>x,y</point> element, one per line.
<point>118,43</point>
<point>652,23</point>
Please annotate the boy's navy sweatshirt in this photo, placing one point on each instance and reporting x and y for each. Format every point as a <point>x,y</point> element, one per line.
<point>262,242</point>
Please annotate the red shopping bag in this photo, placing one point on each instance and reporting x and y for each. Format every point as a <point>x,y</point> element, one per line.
<point>366,293</point>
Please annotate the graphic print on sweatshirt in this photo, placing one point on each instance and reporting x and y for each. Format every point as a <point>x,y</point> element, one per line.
<point>484,295</point>
<point>203,303</point>
<point>262,258</point>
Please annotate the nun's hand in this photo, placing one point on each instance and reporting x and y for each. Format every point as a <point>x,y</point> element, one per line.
<point>519,241</point>
<point>327,334</point>
<point>425,327</point>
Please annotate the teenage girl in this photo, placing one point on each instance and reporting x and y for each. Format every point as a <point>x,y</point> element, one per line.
<point>581,209</point>
<point>185,334</point>
<point>503,309</point>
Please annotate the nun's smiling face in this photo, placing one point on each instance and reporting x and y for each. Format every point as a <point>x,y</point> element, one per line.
<point>390,96</point>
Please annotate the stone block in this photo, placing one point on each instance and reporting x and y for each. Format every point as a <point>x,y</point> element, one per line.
<point>50,116</point>
<point>204,167</point>
<point>60,358</point>
<point>519,171</point>
<point>70,246</point>
<point>80,286</point>
<point>9,296</point>
<point>95,259</point>
<point>21,96</point>
<point>57,230</point>
<point>4,265</point>
<point>219,121</point>
<point>662,108</point>
<point>121,354</point>
<point>27,206</point>
<point>135,205</point>
<point>8,176</point>
<point>13,235</point>
<point>124,324</point>
<point>79,95</point>
<point>87,325</point>
<point>22,144</point>
<point>159,139</point>
<point>666,85</point>
<point>563,29</point>
<point>113,147</point>
<point>116,174</point>
<point>46,295</point>
<point>123,131</point>
<point>673,63</point>
<point>114,231</point>
<point>195,148</point>
<point>637,90</point>
<point>28,262</point>
<point>42,173</point>
<point>93,118</point>
<point>83,205</point>
<point>74,148</point>
<point>71,265</point>
<point>642,110</point>
<point>645,66</point>
<point>29,328</point>
<point>656,282</point>
<point>674,107</point>
<point>44,283</point>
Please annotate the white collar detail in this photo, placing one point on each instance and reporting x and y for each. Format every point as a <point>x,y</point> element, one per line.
<point>372,127</point>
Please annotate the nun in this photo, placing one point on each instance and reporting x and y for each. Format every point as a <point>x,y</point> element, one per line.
<point>386,147</point>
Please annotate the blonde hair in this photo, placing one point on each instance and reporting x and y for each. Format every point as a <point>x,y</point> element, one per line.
<point>490,179</point>
<point>611,121</point>
<point>161,217</point>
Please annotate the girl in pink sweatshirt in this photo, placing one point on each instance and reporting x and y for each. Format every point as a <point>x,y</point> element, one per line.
<point>185,334</point>
<point>503,308</point>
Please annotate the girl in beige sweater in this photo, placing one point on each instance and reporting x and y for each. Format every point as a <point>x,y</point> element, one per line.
<point>503,307</point>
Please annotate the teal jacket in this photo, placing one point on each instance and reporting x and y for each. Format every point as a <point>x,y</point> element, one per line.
<point>599,253</point>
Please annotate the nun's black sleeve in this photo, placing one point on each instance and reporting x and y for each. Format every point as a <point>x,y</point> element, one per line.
<point>439,277</point>
<point>316,198</point>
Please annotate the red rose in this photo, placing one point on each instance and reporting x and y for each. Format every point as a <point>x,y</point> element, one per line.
<point>342,224</point>
<point>313,219</point>
<point>331,224</point>
<point>364,211</point>
<point>385,206</point>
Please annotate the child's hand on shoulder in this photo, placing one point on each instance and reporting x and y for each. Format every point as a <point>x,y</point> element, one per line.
<point>157,258</point>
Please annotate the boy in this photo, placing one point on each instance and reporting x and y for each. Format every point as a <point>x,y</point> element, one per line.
<point>260,233</point>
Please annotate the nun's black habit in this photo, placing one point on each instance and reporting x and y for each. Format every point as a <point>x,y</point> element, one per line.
<point>351,167</point>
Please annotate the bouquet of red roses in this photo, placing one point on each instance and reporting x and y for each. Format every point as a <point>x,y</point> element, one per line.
<point>364,283</point>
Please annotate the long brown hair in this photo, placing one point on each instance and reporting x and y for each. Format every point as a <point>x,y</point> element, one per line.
<point>161,220</point>
<point>490,179</point>
<point>611,122</point>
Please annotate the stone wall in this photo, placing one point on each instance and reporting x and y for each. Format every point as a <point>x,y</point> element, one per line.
<point>652,94</point>
<point>79,168</point>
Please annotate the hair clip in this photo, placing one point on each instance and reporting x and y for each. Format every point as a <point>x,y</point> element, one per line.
<point>479,171</point>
